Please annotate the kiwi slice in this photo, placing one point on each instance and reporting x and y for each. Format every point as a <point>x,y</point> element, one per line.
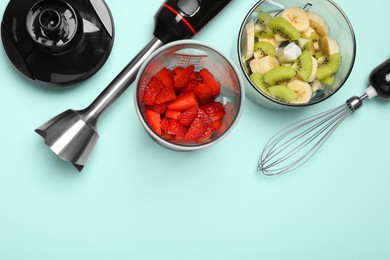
<point>328,65</point>
<point>279,75</point>
<point>329,80</point>
<point>282,93</point>
<point>283,29</point>
<point>263,30</point>
<point>258,79</point>
<point>263,19</point>
<point>263,49</point>
<point>304,65</point>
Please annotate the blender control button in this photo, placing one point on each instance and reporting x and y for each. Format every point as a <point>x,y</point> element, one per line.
<point>188,7</point>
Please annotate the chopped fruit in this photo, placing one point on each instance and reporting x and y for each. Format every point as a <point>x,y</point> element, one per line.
<point>199,126</point>
<point>190,86</point>
<point>152,90</point>
<point>166,77</point>
<point>182,77</point>
<point>165,95</point>
<point>164,124</point>
<point>209,79</point>
<point>176,128</point>
<point>184,102</point>
<point>203,92</point>
<point>214,110</point>
<point>206,135</point>
<point>180,105</point>
<point>187,117</point>
<point>172,114</point>
<point>196,76</point>
<point>160,108</point>
<point>217,124</point>
<point>153,119</point>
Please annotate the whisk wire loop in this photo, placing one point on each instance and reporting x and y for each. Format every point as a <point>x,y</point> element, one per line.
<point>281,153</point>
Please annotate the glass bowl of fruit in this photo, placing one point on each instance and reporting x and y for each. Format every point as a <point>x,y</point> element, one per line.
<point>188,95</point>
<point>294,53</point>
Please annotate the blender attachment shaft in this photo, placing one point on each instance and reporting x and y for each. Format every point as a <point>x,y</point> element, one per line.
<point>72,135</point>
<point>295,144</point>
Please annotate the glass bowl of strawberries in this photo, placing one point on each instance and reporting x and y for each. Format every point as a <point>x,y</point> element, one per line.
<point>188,96</point>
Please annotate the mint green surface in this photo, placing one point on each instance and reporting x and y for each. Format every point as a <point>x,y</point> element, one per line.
<point>138,200</point>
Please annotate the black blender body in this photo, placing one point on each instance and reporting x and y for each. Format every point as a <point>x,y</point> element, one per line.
<point>380,79</point>
<point>56,42</point>
<point>182,19</point>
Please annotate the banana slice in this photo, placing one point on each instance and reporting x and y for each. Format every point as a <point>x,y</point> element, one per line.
<point>264,64</point>
<point>272,40</point>
<point>308,32</point>
<point>329,46</point>
<point>302,89</point>
<point>318,24</point>
<point>248,41</point>
<point>316,85</point>
<point>312,76</point>
<point>297,17</point>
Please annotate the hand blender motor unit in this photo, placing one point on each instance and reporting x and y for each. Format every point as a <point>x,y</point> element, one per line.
<point>73,134</point>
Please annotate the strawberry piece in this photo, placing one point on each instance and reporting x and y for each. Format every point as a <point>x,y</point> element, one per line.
<point>187,117</point>
<point>176,128</point>
<point>152,91</point>
<point>198,127</point>
<point>195,75</point>
<point>164,124</point>
<point>182,77</point>
<point>165,95</point>
<point>184,102</point>
<point>217,124</point>
<point>153,119</point>
<point>206,135</point>
<point>160,108</point>
<point>209,79</point>
<point>215,110</point>
<point>190,86</point>
<point>172,114</point>
<point>166,77</point>
<point>203,92</point>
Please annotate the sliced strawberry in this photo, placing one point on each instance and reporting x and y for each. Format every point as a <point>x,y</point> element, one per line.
<point>206,135</point>
<point>187,117</point>
<point>166,77</point>
<point>160,108</point>
<point>217,124</point>
<point>198,126</point>
<point>184,102</point>
<point>165,95</point>
<point>172,114</point>
<point>153,119</point>
<point>182,77</point>
<point>152,91</point>
<point>176,128</point>
<point>190,86</point>
<point>177,70</point>
<point>164,124</point>
<point>215,110</point>
<point>195,75</point>
<point>209,79</point>
<point>203,92</point>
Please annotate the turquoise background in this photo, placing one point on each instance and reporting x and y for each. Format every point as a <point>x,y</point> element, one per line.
<point>138,200</point>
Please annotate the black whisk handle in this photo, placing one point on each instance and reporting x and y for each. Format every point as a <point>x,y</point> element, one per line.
<point>380,79</point>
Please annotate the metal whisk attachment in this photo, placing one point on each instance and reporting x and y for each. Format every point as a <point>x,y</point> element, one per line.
<point>295,144</point>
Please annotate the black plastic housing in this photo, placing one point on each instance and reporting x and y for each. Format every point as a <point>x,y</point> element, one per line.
<point>182,19</point>
<point>380,79</point>
<point>57,42</point>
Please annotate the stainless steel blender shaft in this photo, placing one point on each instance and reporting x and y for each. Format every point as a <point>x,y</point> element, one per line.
<point>72,135</point>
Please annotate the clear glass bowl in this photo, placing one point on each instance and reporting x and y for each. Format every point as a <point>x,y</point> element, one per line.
<point>192,52</point>
<point>340,29</point>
